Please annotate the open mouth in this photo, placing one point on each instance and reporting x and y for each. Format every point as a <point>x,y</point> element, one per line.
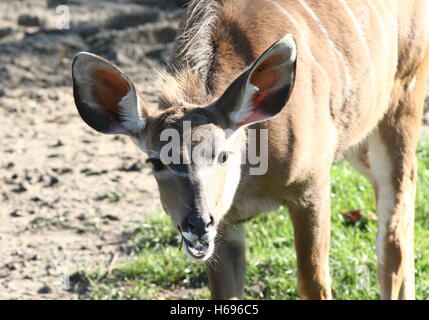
<point>197,249</point>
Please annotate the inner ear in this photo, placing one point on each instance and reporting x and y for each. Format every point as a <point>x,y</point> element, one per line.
<point>108,89</point>
<point>266,74</point>
<point>105,97</point>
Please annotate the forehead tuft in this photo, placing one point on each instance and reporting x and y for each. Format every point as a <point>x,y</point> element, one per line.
<point>174,118</point>
<point>185,120</point>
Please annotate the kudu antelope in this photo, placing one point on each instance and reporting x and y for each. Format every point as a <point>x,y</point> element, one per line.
<point>345,80</point>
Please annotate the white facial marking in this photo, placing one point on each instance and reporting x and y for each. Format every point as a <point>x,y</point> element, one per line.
<point>210,236</point>
<point>225,177</point>
<point>180,174</point>
<point>190,236</point>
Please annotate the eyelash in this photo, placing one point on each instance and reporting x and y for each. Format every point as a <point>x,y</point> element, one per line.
<point>156,163</point>
<point>223,157</point>
<point>158,166</point>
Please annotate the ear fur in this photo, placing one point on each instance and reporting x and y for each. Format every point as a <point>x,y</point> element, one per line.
<point>105,97</point>
<point>261,92</point>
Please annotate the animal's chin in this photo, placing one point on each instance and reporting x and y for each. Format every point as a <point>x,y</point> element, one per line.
<point>200,249</point>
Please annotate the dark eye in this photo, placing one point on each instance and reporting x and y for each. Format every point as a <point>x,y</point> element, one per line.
<point>223,157</point>
<point>156,163</point>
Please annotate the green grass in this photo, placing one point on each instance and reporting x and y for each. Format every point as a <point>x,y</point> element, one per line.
<point>158,270</point>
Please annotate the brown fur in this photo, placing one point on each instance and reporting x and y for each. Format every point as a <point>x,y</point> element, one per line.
<point>358,93</point>
<point>110,89</point>
<point>315,109</point>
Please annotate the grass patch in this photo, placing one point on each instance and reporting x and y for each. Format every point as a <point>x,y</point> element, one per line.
<point>158,270</point>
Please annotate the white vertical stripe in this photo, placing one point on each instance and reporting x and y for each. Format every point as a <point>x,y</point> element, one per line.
<point>363,41</point>
<point>380,26</point>
<point>297,27</point>
<point>341,57</point>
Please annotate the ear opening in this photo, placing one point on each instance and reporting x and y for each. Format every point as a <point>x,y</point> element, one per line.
<point>264,89</point>
<point>105,97</point>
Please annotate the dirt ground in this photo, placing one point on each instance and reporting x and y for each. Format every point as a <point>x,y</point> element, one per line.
<point>69,197</point>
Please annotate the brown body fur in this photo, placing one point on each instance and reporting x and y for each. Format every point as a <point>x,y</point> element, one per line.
<point>353,76</point>
<point>322,107</point>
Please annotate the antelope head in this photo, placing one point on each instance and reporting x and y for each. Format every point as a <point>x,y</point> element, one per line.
<point>196,151</point>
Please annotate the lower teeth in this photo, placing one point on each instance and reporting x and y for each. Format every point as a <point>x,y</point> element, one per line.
<point>198,246</point>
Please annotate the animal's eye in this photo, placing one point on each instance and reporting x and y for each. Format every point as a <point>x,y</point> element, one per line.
<point>156,163</point>
<point>223,157</point>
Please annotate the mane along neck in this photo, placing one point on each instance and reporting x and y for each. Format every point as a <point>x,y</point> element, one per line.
<point>194,50</point>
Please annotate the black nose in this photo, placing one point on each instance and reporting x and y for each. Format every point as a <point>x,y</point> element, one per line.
<point>197,225</point>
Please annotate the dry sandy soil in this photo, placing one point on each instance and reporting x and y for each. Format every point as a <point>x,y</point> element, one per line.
<point>69,197</point>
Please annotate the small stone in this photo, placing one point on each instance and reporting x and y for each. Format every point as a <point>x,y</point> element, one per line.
<point>53,181</point>
<point>34,258</point>
<point>58,144</point>
<point>4,32</point>
<point>28,20</point>
<point>15,214</point>
<point>44,290</point>
<point>78,283</point>
<point>10,266</point>
<point>111,217</point>
<point>20,189</point>
<point>135,167</point>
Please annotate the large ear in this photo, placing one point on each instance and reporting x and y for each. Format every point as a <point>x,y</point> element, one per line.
<point>263,90</point>
<point>105,98</point>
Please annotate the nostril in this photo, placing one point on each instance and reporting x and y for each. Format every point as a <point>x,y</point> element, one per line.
<point>190,225</point>
<point>197,225</point>
<point>210,223</point>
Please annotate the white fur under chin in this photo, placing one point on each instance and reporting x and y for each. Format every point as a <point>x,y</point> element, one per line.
<point>209,237</point>
<point>206,257</point>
